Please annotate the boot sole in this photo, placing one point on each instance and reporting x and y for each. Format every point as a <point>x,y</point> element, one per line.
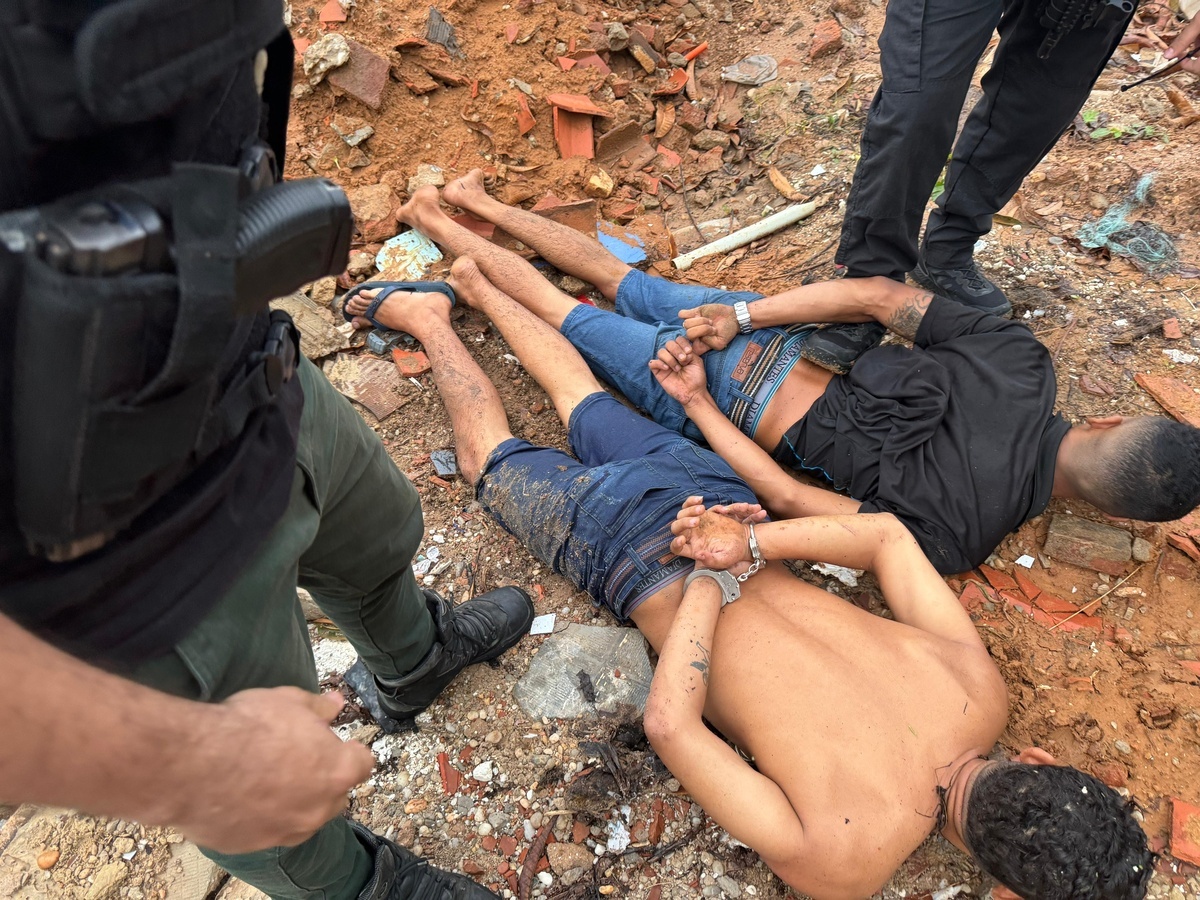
<point>926,281</point>
<point>826,360</point>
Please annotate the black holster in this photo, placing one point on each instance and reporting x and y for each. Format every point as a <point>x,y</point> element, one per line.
<point>140,342</point>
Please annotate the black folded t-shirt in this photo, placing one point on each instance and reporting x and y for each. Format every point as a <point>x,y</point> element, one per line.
<point>957,437</point>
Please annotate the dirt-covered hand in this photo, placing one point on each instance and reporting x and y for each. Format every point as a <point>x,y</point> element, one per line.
<point>712,539</point>
<point>680,371</point>
<point>709,327</point>
<point>266,771</point>
<point>746,513</point>
<point>1187,38</point>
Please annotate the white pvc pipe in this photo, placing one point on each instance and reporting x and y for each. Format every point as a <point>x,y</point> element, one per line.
<point>743,236</point>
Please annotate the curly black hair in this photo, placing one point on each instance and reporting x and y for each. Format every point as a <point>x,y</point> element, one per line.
<point>1055,833</point>
<point>1151,472</point>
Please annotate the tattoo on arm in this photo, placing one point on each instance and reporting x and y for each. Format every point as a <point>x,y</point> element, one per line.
<point>908,315</point>
<point>701,665</point>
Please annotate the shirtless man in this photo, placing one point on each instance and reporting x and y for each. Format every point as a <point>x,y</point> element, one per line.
<point>958,439</point>
<point>867,733</point>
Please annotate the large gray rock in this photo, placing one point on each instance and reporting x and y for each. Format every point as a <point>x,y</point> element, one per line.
<point>615,669</point>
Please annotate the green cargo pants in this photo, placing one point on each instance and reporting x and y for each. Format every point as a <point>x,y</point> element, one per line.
<point>348,536</point>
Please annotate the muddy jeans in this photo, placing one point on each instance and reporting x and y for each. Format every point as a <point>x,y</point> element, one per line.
<point>928,53</point>
<point>349,535</point>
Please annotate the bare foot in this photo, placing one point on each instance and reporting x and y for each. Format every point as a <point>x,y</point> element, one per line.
<point>467,192</point>
<point>421,208</point>
<point>469,283</point>
<point>408,311</point>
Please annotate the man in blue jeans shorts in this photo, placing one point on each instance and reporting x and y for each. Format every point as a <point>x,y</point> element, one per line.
<point>957,437</point>
<point>845,752</point>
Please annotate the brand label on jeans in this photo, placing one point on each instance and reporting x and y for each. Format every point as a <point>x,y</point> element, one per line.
<point>746,363</point>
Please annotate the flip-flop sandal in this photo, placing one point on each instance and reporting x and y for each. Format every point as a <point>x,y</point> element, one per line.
<point>386,289</point>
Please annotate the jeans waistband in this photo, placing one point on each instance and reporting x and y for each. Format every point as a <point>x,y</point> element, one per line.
<point>765,376</point>
<point>628,584</point>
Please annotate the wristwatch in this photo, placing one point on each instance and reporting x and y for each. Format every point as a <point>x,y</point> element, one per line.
<point>730,590</point>
<point>742,312</point>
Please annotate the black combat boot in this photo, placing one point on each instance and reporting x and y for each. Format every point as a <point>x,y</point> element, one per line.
<point>472,632</point>
<point>836,347</point>
<point>966,286</point>
<point>401,875</point>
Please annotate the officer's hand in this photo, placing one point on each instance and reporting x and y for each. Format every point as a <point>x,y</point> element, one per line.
<point>680,372</point>
<point>712,539</point>
<point>267,771</point>
<point>709,327</point>
<point>1182,44</point>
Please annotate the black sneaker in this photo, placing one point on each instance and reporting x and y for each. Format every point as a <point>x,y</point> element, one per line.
<point>473,632</point>
<point>836,347</point>
<point>966,286</point>
<point>402,875</point>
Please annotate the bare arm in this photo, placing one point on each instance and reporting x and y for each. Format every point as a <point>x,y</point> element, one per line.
<point>895,305</point>
<point>260,770</point>
<point>681,374</point>
<point>878,542</point>
<point>750,806</point>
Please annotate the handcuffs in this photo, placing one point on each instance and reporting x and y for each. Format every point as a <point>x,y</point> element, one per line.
<point>730,584</point>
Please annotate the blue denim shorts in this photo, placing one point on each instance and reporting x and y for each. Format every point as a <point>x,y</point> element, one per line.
<point>602,520</point>
<point>742,378</point>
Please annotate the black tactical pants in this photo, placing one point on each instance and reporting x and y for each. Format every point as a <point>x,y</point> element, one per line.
<point>928,53</point>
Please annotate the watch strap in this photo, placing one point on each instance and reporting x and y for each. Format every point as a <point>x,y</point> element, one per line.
<point>742,312</point>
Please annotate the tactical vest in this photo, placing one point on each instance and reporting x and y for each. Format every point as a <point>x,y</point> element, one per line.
<point>148,413</point>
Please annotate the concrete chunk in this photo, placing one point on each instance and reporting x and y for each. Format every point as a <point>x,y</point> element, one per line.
<point>586,670</point>
<point>1089,544</point>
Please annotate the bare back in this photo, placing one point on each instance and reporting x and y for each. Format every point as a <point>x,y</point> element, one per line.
<point>850,714</point>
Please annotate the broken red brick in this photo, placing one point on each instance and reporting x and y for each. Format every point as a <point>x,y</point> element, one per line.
<point>440,482</point>
<point>489,844</point>
<point>1056,606</point>
<point>411,362</point>
<point>301,44</point>
<point>670,159</point>
<point>567,63</point>
<point>997,579</point>
<point>472,868</point>
<point>511,30</point>
<point>511,877</point>
<point>1068,622</point>
<point>673,85</point>
<point>1186,544</point>
<point>1111,773</point>
<point>1171,329</point>
<point>1173,395</point>
<point>1089,544</point>
<point>333,12</point>
<point>1026,584</point>
<point>451,777</point>
<point>573,134</point>
<point>363,77</point>
<point>576,103</point>
<point>593,61</point>
<point>827,39</point>
<point>579,832</point>
<point>655,893</point>
<point>525,119</point>
<point>620,88</point>
<point>502,867</point>
<point>973,597</point>
<point>508,845</point>
<point>1185,831</point>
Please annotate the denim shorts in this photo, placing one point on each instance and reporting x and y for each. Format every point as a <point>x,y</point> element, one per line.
<point>741,378</point>
<point>602,520</point>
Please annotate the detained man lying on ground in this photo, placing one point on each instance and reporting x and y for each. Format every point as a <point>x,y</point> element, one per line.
<point>866,732</point>
<point>957,438</point>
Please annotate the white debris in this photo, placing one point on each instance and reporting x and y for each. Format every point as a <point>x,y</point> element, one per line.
<point>848,577</point>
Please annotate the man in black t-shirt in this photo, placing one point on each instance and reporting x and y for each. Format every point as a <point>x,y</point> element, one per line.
<point>957,437</point>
